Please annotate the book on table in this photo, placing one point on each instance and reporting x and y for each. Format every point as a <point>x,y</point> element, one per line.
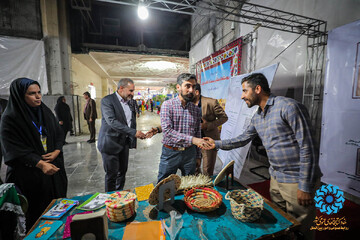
<point>95,202</point>
<point>59,209</point>
<point>44,230</point>
<point>152,230</point>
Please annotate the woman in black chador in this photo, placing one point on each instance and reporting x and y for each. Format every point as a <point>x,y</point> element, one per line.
<point>31,141</point>
<point>62,111</point>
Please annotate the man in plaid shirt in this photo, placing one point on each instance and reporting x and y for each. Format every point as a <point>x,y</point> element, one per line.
<point>180,123</point>
<point>284,127</point>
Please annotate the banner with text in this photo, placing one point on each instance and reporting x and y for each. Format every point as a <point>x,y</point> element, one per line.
<point>214,72</point>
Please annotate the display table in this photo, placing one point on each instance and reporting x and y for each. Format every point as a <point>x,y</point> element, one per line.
<point>219,224</point>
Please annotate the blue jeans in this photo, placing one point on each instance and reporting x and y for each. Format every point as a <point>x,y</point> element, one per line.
<point>171,161</point>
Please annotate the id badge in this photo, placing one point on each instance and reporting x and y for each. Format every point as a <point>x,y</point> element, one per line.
<point>43,141</point>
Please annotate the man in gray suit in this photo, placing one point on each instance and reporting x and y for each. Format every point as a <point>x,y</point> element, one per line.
<point>118,133</point>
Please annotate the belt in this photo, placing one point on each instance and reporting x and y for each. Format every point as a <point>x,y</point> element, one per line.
<point>176,148</point>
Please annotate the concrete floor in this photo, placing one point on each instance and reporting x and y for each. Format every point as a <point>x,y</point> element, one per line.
<point>85,170</point>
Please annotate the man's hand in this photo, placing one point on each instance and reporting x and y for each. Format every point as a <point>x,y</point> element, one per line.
<point>49,157</point>
<point>197,141</point>
<point>47,168</point>
<point>90,120</point>
<point>61,122</point>
<point>137,115</point>
<point>208,143</point>
<point>140,134</point>
<point>151,132</point>
<point>304,198</point>
<point>204,125</point>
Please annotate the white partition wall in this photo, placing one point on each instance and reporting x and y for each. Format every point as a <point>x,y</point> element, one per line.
<point>21,58</point>
<point>340,136</point>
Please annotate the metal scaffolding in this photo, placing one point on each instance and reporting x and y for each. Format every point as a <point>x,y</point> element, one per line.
<point>244,12</point>
<point>314,78</point>
<point>253,14</point>
<point>84,7</point>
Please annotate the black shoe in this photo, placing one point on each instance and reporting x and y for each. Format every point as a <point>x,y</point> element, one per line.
<point>88,140</point>
<point>91,141</point>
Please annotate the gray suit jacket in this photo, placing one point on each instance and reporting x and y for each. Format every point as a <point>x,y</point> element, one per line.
<point>114,129</point>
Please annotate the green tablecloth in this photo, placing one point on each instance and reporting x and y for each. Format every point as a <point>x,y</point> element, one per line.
<point>217,225</point>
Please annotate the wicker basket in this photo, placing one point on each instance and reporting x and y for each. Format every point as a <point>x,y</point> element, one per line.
<point>246,205</point>
<point>120,206</point>
<point>202,199</point>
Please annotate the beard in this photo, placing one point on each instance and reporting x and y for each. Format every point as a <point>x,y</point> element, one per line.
<point>188,98</point>
<point>127,97</point>
<point>249,103</point>
<point>252,102</point>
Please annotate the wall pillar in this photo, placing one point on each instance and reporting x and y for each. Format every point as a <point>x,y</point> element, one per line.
<point>57,46</point>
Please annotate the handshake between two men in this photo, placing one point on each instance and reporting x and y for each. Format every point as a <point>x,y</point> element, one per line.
<point>149,134</point>
<point>205,143</point>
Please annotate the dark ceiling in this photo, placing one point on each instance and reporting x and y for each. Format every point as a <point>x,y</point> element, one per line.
<point>107,26</point>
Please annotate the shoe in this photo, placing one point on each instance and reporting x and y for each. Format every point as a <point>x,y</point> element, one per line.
<point>88,140</point>
<point>91,141</point>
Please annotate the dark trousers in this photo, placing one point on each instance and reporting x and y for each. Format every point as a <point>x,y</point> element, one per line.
<point>92,130</point>
<point>115,167</point>
<point>65,131</point>
<point>172,160</point>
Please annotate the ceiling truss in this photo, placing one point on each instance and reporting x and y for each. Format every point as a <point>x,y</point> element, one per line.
<point>237,11</point>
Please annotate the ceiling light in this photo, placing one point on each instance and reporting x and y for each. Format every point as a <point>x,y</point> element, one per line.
<point>160,65</point>
<point>142,12</point>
